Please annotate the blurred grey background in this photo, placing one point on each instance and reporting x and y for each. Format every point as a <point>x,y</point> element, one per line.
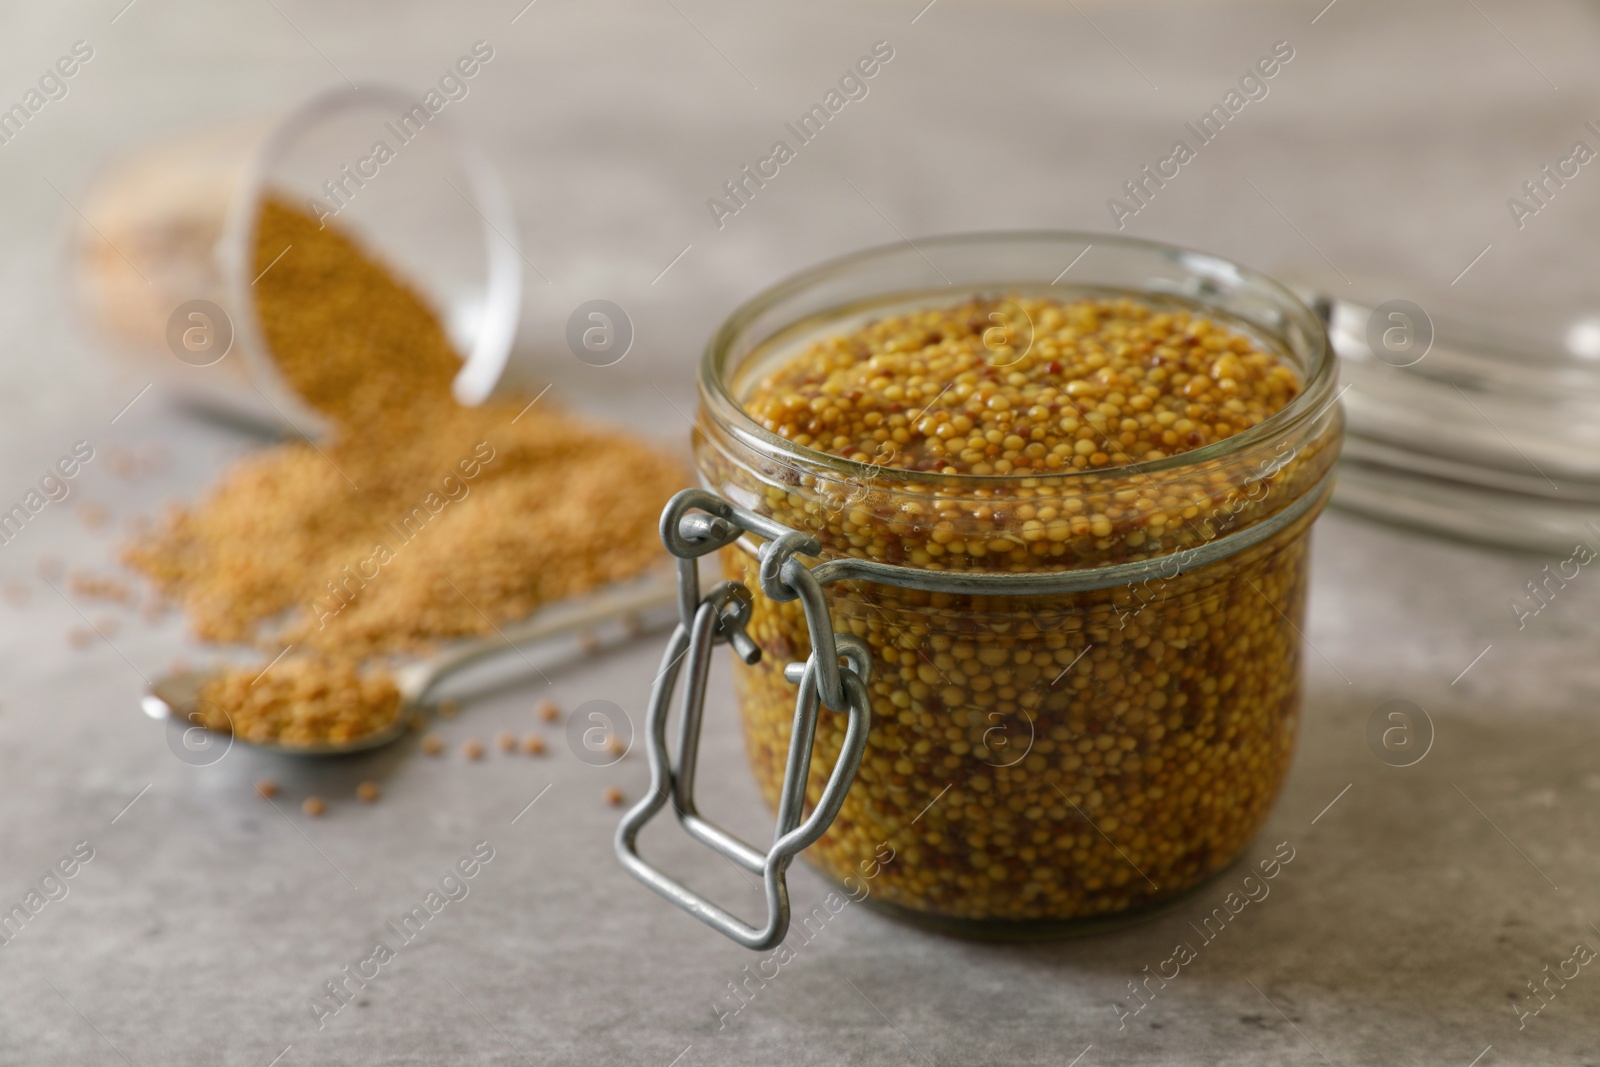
<point>1424,899</point>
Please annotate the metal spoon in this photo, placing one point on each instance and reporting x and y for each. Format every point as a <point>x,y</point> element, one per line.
<point>630,611</point>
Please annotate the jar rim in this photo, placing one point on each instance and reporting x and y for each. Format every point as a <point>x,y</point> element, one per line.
<point>1312,400</point>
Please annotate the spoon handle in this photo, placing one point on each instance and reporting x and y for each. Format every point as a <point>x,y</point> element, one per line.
<point>561,620</point>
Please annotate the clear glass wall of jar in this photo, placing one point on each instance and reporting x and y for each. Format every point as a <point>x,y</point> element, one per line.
<point>1043,764</point>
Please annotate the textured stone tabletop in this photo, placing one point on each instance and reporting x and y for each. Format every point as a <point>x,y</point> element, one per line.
<point>1419,902</point>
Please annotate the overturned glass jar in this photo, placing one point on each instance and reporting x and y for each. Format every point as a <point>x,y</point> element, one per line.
<point>1060,682</point>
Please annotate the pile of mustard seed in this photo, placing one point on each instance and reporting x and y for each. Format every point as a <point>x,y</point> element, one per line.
<point>301,701</point>
<point>351,339</point>
<point>417,520</point>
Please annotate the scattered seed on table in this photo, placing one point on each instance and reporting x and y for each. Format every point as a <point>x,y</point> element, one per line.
<point>80,637</point>
<point>367,791</point>
<point>588,642</point>
<point>616,747</point>
<point>547,710</point>
<point>613,796</point>
<point>122,463</point>
<point>267,787</point>
<point>473,749</point>
<point>90,586</point>
<point>533,745</point>
<point>505,741</point>
<point>93,515</point>
<point>432,745</point>
<point>449,709</point>
<point>313,806</point>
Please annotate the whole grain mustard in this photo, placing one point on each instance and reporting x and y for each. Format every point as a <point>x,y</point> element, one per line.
<point>1053,760</point>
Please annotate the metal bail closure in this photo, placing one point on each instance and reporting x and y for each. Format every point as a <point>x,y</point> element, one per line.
<point>720,618</point>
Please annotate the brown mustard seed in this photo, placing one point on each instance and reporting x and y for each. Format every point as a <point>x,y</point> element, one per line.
<point>1037,758</point>
<point>327,348</point>
<point>432,745</point>
<point>472,749</point>
<point>449,709</point>
<point>267,787</point>
<point>313,806</point>
<point>613,796</point>
<point>616,748</point>
<point>94,516</point>
<point>547,710</point>
<point>368,792</point>
<point>122,463</point>
<point>533,745</point>
<point>299,701</point>
<point>98,587</point>
<point>505,741</point>
<point>1102,383</point>
<point>283,550</point>
<point>588,642</point>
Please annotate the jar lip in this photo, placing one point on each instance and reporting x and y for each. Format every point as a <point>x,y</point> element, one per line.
<point>1308,404</point>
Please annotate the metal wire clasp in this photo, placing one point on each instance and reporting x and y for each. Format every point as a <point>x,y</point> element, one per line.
<point>694,524</point>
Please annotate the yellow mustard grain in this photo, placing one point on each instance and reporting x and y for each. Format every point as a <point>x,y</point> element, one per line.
<point>1060,757</point>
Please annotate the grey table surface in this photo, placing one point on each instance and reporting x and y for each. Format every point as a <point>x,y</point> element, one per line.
<point>1421,900</point>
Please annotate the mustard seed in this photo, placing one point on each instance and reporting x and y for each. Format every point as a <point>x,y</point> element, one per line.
<point>319,545</point>
<point>1050,757</point>
<point>313,806</point>
<point>301,700</point>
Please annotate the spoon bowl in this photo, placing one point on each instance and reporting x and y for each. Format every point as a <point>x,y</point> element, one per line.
<point>176,699</point>
<point>606,620</point>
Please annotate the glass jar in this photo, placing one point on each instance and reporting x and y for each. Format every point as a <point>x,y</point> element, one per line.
<point>165,257</point>
<point>1084,685</point>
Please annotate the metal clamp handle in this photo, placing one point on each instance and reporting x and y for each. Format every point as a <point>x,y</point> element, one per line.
<point>694,524</point>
